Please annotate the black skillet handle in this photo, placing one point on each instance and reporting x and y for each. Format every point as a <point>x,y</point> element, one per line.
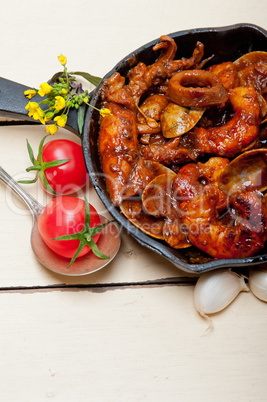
<point>13,102</point>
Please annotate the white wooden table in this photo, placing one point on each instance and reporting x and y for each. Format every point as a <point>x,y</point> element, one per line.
<point>129,332</point>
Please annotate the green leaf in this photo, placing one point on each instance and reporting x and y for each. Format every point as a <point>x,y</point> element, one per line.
<point>29,181</point>
<point>91,78</point>
<point>46,184</point>
<point>59,162</point>
<point>95,230</point>
<point>74,236</point>
<point>81,112</point>
<point>96,250</point>
<point>56,76</point>
<point>34,167</point>
<point>40,150</point>
<point>31,155</point>
<point>81,246</point>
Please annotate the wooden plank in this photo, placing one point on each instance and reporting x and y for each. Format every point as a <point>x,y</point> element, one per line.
<point>133,344</point>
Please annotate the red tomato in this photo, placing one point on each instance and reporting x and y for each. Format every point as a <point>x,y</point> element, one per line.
<point>64,216</point>
<point>72,175</point>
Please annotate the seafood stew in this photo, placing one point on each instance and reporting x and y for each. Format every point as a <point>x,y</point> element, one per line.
<point>147,141</point>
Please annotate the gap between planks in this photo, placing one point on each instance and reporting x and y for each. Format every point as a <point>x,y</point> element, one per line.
<point>100,287</point>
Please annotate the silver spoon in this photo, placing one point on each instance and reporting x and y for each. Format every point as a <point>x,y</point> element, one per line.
<point>108,243</point>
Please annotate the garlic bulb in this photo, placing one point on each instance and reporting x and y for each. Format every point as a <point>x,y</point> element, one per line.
<point>258,283</point>
<point>215,290</point>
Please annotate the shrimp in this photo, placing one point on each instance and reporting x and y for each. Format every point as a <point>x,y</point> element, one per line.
<point>188,182</point>
<point>233,137</point>
<point>227,72</point>
<point>193,177</point>
<point>163,195</point>
<point>243,238</point>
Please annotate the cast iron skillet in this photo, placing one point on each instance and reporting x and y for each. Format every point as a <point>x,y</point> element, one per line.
<point>226,44</point>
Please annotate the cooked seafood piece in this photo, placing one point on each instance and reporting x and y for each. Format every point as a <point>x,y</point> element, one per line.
<point>197,88</point>
<point>152,107</point>
<point>173,151</point>
<point>252,70</point>
<point>227,72</point>
<point>148,116</point>
<point>247,172</point>
<point>158,200</point>
<point>143,77</point>
<point>244,238</point>
<point>233,137</point>
<point>175,233</point>
<point>157,195</point>
<point>250,58</point>
<point>118,149</point>
<point>133,210</point>
<point>142,173</point>
<point>177,120</point>
<point>193,177</point>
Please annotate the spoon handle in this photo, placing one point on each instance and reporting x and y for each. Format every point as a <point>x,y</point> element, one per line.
<point>34,206</point>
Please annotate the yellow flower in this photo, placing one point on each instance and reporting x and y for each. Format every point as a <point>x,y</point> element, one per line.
<point>61,120</point>
<point>105,112</point>
<point>30,93</point>
<point>62,59</point>
<point>64,91</point>
<point>35,111</point>
<point>51,129</point>
<point>45,88</point>
<point>60,103</point>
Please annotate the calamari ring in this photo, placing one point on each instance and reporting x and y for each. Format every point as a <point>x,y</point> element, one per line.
<point>197,88</point>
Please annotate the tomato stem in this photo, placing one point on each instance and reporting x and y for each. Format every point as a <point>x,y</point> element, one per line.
<point>40,166</point>
<point>85,236</point>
